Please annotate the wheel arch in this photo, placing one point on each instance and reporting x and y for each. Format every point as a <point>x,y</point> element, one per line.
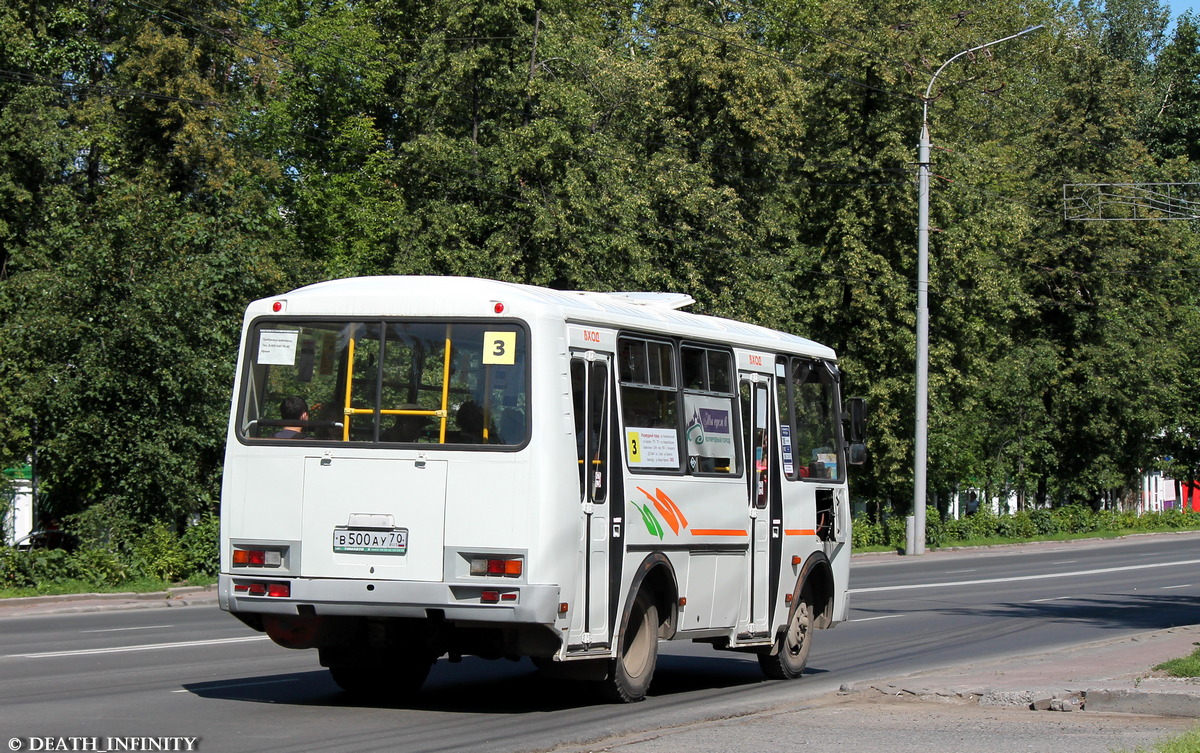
<point>816,577</point>
<point>656,574</point>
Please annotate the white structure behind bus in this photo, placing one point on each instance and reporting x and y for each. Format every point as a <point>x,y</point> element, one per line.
<point>17,505</point>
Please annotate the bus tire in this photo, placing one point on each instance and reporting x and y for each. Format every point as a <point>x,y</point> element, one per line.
<point>788,657</point>
<point>630,673</point>
<point>390,680</point>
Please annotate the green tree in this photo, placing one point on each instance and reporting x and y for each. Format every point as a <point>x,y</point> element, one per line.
<point>138,231</point>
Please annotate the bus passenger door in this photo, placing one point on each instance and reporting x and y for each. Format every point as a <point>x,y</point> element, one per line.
<point>757,431</point>
<point>591,388</point>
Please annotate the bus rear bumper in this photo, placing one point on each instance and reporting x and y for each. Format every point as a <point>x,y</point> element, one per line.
<point>511,604</point>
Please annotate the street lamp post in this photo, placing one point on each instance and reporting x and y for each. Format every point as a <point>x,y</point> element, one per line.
<point>920,450</point>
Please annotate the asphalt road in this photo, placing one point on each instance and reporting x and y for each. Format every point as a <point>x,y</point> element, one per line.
<point>197,672</point>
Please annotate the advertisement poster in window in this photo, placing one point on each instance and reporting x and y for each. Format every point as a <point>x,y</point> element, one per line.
<point>709,426</point>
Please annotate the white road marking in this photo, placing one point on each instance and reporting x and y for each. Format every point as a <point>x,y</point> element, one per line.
<point>955,572</point>
<point>1019,578</point>
<point>1056,598</point>
<point>118,630</point>
<point>1184,585</point>
<point>143,647</point>
<point>872,619</point>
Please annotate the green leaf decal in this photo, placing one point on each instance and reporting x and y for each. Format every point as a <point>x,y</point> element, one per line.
<point>652,523</point>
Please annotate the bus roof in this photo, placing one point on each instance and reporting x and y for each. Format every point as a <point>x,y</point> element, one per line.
<point>468,296</point>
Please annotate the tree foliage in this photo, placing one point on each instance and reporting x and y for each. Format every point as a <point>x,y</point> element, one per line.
<point>163,162</point>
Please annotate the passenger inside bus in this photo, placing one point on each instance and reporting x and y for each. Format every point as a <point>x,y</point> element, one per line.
<point>407,428</point>
<point>292,408</point>
<point>470,421</point>
<point>512,426</point>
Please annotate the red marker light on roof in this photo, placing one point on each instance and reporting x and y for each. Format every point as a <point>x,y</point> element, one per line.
<point>277,306</point>
<point>499,307</point>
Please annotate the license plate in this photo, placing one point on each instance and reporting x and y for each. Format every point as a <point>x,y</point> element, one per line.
<point>353,541</point>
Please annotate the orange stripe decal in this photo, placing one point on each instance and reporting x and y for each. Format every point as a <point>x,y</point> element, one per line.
<point>667,500</point>
<point>666,508</point>
<point>799,532</point>
<point>719,532</point>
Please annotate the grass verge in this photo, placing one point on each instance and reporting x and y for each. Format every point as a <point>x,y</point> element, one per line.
<point>1001,541</point>
<point>1188,742</point>
<point>1187,666</point>
<point>140,585</point>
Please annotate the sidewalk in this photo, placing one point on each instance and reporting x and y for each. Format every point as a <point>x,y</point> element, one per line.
<point>1113,676</point>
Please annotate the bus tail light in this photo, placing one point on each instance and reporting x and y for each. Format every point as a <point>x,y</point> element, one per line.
<point>508,568</point>
<point>277,589</point>
<point>257,557</point>
<point>495,597</point>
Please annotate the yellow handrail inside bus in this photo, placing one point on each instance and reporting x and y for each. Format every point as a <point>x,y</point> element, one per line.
<point>445,386</point>
<point>348,411</point>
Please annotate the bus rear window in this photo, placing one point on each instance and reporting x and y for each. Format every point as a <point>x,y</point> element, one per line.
<point>392,382</point>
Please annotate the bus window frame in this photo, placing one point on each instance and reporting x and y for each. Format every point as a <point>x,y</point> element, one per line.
<point>735,427</point>
<point>249,384</point>
<point>790,362</point>
<point>676,390</point>
<point>677,344</point>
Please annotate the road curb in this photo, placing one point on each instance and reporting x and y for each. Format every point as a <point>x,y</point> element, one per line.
<point>1109,676</point>
<point>180,596</point>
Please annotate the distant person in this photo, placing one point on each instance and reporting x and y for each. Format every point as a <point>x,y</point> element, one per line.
<point>972,504</point>
<point>292,408</point>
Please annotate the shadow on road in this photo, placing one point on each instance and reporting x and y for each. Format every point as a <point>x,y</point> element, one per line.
<point>476,686</point>
<point>1115,611</point>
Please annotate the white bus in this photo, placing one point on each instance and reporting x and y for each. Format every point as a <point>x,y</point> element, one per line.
<point>427,466</point>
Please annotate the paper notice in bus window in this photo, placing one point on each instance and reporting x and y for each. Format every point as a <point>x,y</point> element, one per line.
<point>277,347</point>
<point>789,465</point>
<point>652,448</point>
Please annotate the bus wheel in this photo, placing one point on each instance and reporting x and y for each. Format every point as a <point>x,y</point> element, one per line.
<point>787,658</point>
<point>389,680</point>
<point>630,673</point>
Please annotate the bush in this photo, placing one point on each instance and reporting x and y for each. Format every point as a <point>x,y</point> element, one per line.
<point>896,533</point>
<point>864,534</point>
<point>104,561</point>
<point>158,553</point>
<point>201,545</point>
<point>100,567</point>
<point>1018,526</point>
<point>1074,519</point>
<point>1044,522</point>
<point>14,572</point>
<point>935,528</point>
<point>1176,518</point>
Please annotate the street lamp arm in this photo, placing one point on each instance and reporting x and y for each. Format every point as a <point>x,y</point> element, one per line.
<point>937,73</point>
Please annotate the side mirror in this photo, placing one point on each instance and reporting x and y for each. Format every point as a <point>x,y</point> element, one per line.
<point>857,454</point>
<point>858,420</point>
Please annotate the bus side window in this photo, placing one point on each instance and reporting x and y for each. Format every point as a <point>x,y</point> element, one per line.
<point>649,403</point>
<point>589,392</point>
<point>815,410</point>
<point>708,411</point>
